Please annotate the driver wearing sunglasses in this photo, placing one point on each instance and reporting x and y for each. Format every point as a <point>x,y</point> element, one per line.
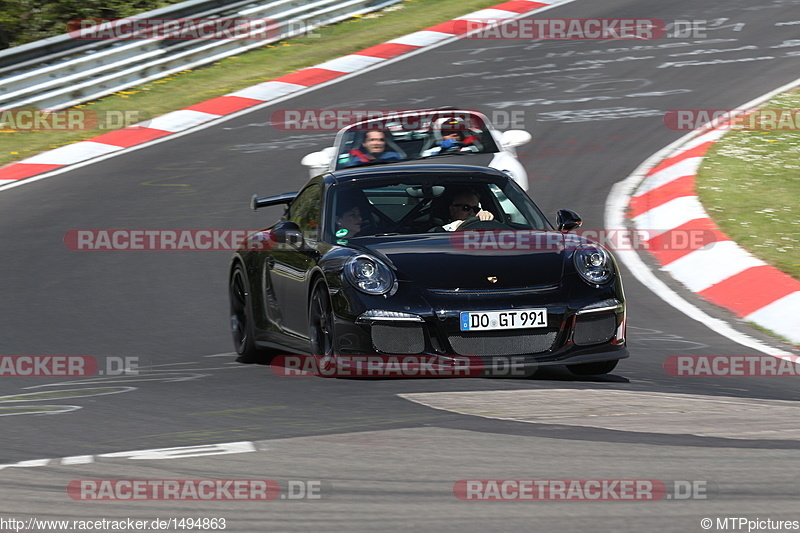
<point>463,206</point>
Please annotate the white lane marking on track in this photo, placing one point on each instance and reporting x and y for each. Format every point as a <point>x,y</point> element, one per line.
<point>179,452</point>
<point>51,394</point>
<point>180,120</point>
<point>670,215</point>
<point>73,153</point>
<point>782,313</point>
<point>687,167</point>
<point>711,264</point>
<point>268,90</point>
<point>39,410</point>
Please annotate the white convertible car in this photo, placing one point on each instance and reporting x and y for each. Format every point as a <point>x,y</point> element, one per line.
<point>450,136</point>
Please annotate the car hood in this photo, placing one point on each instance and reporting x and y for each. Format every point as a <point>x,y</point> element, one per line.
<point>440,261</point>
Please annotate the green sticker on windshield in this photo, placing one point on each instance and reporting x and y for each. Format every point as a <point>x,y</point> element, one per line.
<point>342,233</point>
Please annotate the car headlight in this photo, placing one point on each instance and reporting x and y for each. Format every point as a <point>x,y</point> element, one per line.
<point>593,263</point>
<point>369,275</point>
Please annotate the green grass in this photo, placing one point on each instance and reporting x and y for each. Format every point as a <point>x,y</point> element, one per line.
<point>193,86</point>
<point>770,332</point>
<point>750,186</point>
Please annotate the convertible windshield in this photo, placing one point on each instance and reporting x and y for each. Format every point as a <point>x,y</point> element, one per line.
<point>417,135</point>
<point>430,203</point>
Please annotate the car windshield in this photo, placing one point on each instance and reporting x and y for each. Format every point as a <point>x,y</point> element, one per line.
<point>418,135</point>
<point>427,203</point>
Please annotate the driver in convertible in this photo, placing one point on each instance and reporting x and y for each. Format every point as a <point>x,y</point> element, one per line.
<point>456,137</point>
<point>465,204</point>
<point>372,149</point>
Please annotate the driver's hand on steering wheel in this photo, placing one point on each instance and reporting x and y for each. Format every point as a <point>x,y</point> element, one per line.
<point>481,215</point>
<point>485,215</point>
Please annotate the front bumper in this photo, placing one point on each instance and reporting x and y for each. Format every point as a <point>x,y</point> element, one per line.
<point>585,328</point>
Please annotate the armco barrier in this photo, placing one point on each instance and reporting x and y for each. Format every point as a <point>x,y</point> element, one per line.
<point>63,71</point>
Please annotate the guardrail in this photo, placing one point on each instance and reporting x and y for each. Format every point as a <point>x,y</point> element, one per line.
<point>64,71</point>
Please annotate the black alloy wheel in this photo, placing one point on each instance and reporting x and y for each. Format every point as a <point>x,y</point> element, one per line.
<point>241,318</point>
<point>321,330</point>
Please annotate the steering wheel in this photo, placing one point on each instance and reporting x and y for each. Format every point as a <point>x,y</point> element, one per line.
<point>468,222</point>
<point>477,223</point>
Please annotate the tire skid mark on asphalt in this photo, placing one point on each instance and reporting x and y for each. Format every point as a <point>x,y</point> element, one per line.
<point>648,336</point>
<point>152,373</point>
<point>141,376</point>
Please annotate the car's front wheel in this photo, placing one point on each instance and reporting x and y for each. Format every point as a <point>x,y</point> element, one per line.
<point>242,318</point>
<point>321,329</point>
<point>593,369</point>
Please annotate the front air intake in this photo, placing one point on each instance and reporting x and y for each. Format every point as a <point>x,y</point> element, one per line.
<point>401,339</point>
<point>594,328</point>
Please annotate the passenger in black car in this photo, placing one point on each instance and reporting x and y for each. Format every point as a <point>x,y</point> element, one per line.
<point>348,220</point>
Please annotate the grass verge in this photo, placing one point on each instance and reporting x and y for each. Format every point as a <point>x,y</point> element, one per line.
<point>231,74</point>
<point>750,185</point>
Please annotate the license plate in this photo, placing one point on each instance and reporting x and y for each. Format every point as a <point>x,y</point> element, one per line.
<point>511,319</point>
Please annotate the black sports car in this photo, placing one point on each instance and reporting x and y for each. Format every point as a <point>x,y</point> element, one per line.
<point>426,260</point>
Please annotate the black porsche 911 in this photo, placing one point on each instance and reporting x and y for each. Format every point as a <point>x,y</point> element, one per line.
<point>434,260</point>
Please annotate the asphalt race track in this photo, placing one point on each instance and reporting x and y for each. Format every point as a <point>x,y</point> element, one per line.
<point>389,454</point>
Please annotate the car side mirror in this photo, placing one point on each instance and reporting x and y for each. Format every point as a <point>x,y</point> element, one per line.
<point>288,233</point>
<point>514,138</point>
<point>319,162</point>
<point>568,220</point>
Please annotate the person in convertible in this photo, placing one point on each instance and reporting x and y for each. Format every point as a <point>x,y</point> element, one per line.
<point>455,137</point>
<point>372,149</point>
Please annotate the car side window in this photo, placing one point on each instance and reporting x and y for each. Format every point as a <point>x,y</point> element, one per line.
<point>305,211</point>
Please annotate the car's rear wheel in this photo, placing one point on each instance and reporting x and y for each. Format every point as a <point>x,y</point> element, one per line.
<point>242,319</point>
<point>321,329</point>
<point>593,369</point>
